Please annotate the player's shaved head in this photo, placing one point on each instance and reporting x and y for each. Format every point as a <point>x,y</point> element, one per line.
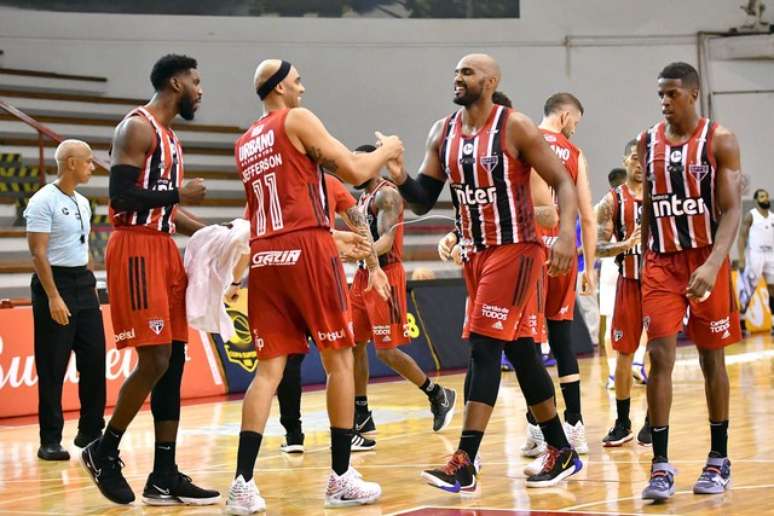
<point>72,149</point>
<point>278,83</point>
<point>265,69</point>
<point>484,63</point>
<point>476,77</point>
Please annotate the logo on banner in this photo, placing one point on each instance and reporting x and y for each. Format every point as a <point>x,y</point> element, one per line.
<point>698,171</point>
<point>240,350</point>
<point>156,325</point>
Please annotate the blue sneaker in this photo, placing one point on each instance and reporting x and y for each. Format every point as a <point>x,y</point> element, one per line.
<point>640,373</point>
<point>505,365</point>
<point>662,482</point>
<point>715,478</point>
<point>549,360</point>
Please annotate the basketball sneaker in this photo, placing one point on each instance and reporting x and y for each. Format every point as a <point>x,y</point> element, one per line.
<point>350,489</point>
<point>639,373</point>
<point>662,482</point>
<point>458,475</point>
<point>294,443</point>
<point>644,438</point>
<point>576,434</point>
<point>535,445</point>
<point>610,383</point>
<point>715,477</point>
<point>175,488</point>
<point>106,474</point>
<point>557,465</point>
<point>535,466</point>
<point>618,435</point>
<point>360,443</point>
<point>244,497</point>
<point>548,360</point>
<point>442,407</point>
<point>477,463</point>
<point>505,365</point>
<point>364,422</point>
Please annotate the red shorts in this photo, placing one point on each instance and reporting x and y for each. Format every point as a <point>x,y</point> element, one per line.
<point>626,329</point>
<point>505,294</point>
<point>374,318</point>
<point>297,288</point>
<point>146,285</point>
<point>712,324</point>
<point>560,294</point>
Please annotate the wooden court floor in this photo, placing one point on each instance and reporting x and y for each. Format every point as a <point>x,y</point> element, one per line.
<point>609,483</point>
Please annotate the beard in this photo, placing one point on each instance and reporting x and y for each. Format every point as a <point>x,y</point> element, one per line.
<point>468,98</point>
<point>765,205</point>
<point>187,108</point>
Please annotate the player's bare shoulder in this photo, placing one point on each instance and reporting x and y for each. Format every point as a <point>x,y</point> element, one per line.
<point>520,129</point>
<point>132,139</point>
<point>434,136</point>
<point>726,148</point>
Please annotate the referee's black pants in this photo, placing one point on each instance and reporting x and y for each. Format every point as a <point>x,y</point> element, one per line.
<point>84,335</point>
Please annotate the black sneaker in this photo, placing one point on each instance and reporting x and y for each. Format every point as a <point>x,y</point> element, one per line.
<point>82,440</point>
<point>557,465</point>
<point>360,443</point>
<point>175,488</point>
<point>294,443</point>
<point>458,475</point>
<point>106,473</point>
<point>442,407</point>
<point>620,433</point>
<point>364,423</point>
<point>53,452</point>
<point>643,436</point>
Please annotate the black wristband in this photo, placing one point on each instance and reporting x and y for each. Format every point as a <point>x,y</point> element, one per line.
<point>236,284</point>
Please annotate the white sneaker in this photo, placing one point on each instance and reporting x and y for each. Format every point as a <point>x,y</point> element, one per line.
<point>610,383</point>
<point>244,498</point>
<point>477,463</point>
<point>350,489</point>
<point>576,434</point>
<point>639,373</point>
<point>535,445</point>
<point>536,466</point>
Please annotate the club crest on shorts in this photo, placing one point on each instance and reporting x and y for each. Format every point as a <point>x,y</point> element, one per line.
<point>699,172</point>
<point>617,335</point>
<point>489,162</point>
<point>156,325</point>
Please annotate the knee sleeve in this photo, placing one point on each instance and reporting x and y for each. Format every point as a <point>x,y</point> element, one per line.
<point>484,369</point>
<point>165,397</point>
<point>560,341</point>
<point>535,383</point>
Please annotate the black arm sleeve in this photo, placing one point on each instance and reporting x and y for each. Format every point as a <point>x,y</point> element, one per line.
<point>126,196</point>
<point>422,193</point>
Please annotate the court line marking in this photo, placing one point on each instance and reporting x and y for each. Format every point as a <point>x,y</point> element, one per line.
<point>630,498</point>
<point>481,508</point>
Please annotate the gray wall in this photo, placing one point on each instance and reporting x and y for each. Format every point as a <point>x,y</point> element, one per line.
<point>395,75</point>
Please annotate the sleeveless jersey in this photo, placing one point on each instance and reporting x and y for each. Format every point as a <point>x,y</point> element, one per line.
<point>627,211</point>
<point>569,155</point>
<point>681,180</point>
<point>285,189</point>
<point>161,170</point>
<point>367,204</point>
<point>761,237</point>
<point>489,187</point>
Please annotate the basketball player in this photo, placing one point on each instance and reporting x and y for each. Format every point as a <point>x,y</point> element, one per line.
<point>147,283</point>
<point>562,113</point>
<point>618,214</point>
<point>296,281</point>
<point>690,216</point>
<point>486,153</point>
<point>756,249</point>
<point>382,321</point>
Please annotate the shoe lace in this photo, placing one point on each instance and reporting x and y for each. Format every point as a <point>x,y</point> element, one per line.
<point>550,458</point>
<point>457,462</point>
<point>660,479</point>
<point>435,406</point>
<point>710,472</point>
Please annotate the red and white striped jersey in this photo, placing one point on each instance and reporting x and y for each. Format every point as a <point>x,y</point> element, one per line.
<point>681,179</point>
<point>285,189</point>
<point>627,211</point>
<point>490,188</point>
<point>367,204</point>
<point>162,170</point>
<point>569,155</point>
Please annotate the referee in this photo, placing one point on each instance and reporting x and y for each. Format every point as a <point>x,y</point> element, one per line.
<point>64,301</point>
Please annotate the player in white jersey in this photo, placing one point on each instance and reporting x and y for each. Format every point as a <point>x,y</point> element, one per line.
<point>756,249</point>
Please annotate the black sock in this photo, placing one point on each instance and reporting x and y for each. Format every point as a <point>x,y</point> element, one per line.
<point>554,433</point>
<point>108,444</point>
<point>572,402</point>
<point>430,388</point>
<point>719,435</point>
<point>622,407</point>
<point>249,444</point>
<point>771,305</point>
<point>341,448</point>
<point>660,436</point>
<point>164,457</point>
<point>361,404</point>
<point>470,440</point>
<point>531,419</point>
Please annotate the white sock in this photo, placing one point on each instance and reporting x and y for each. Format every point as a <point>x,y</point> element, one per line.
<point>639,355</point>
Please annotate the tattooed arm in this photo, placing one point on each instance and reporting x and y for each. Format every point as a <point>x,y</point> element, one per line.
<point>546,214</point>
<point>390,206</point>
<point>309,136</point>
<point>606,248</point>
<point>377,279</point>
